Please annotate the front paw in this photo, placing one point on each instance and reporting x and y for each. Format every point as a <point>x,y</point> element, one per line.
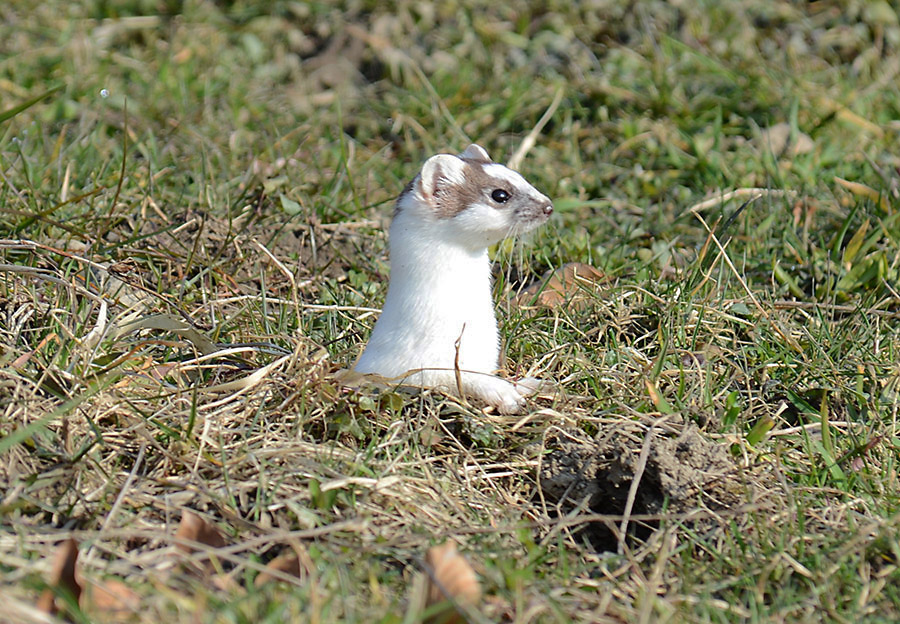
<point>528,386</point>
<point>506,396</point>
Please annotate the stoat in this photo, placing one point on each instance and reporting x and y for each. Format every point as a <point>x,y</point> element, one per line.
<point>437,328</point>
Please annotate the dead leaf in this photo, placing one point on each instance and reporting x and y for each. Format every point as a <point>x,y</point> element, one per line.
<point>227,583</point>
<point>564,285</point>
<point>183,56</point>
<point>62,578</point>
<point>288,563</point>
<point>195,529</point>
<point>429,435</point>
<point>452,579</point>
<point>20,361</point>
<point>779,141</point>
<point>111,597</point>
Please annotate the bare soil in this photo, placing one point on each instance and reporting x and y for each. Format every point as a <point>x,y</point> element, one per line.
<point>678,474</point>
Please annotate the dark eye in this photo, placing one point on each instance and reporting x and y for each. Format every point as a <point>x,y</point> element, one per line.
<point>500,196</point>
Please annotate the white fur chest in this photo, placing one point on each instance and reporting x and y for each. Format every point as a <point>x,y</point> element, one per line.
<point>439,294</point>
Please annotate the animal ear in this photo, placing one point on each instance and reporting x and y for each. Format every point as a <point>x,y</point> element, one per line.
<point>441,171</point>
<point>476,153</point>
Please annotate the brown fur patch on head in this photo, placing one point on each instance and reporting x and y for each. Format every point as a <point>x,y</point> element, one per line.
<point>451,198</point>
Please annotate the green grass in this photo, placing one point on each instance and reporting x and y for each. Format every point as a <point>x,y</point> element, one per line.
<point>219,174</point>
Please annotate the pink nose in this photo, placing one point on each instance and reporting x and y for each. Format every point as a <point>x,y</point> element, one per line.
<point>548,209</point>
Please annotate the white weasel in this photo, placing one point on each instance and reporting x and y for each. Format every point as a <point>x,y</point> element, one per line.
<point>437,328</point>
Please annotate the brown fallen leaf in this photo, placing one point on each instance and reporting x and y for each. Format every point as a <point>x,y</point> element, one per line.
<point>20,361</point>
<point>288,563</point>
<point>111,597</point>
<point>564,285</point>
<point>195,529</point>
<point>227,583</point>
<point>777,139</point>
<point>451,580</point>
<point>61,579</point>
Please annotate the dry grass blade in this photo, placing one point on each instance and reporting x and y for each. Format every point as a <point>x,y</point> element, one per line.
<point>240,386</point>
<point>863,190</point>
<point>787,338</point>
<point>633,488</point>
<point>531,138</point>
<point>741,193</point>
<point>284,270</point>
<point>166,322</point>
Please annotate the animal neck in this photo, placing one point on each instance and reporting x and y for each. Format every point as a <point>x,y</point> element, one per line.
<point>427,271</point>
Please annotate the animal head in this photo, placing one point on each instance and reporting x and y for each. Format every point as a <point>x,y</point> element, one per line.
<point>474,200</point>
